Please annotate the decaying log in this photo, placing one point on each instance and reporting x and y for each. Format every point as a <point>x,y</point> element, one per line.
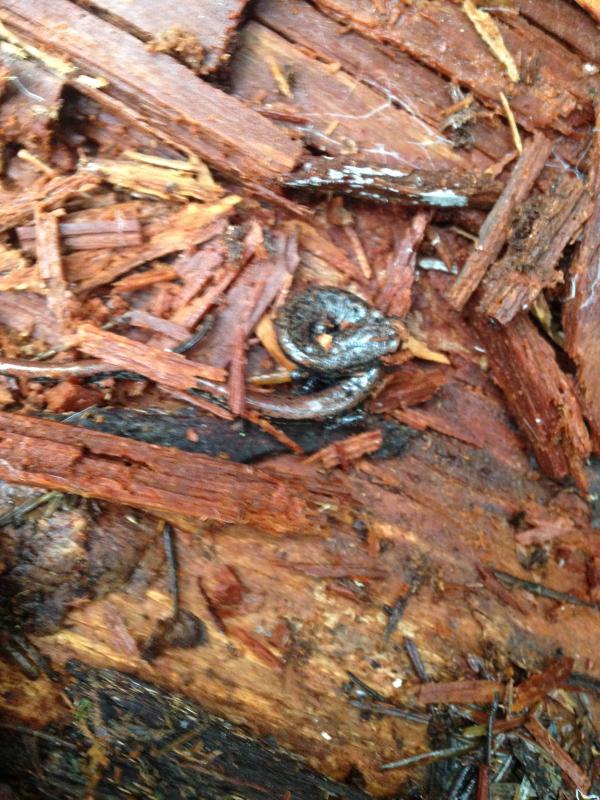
<point>285,615</point>
<point>539,395</point>
<point>496,228</point>
<point>545,225</point>
<point>440,35</point>
<point>350,116</point>
<point>582,309</point>
<point>93,464</point>
<point>200,36</point>
<point>158,93</point>
<point>402,596</point>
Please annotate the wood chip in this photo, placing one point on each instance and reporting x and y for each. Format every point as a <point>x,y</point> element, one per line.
<point>460,692</point>
<point>533,689</point>
<point>164,179</point>
<point>50,267</point>
<point>545,224</point>
<point>168,369</point>
<point>496,228</point>
<point>541,398</point>
<point>395,297</point>
<point>342,453</point>
<point>193,224</point>
<point>486,27</point>
<point>562,759</point>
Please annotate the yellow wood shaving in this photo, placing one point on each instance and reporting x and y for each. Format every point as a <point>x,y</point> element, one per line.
<point>166,179</point>
<point>486,27</point>
<point>282,82</point>
<point>40,165</point>
<point>97,82</point>
<point>592,6</point>
<point>420,350</point>
<point>54,63</point>
<point>512,123</point>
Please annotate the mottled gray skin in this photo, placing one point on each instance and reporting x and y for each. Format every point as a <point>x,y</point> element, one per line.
<point>358,334</point>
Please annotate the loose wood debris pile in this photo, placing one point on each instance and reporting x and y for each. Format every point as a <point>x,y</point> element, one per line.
<point>407,598</point>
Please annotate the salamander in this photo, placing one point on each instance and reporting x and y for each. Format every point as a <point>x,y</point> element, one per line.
<point>329,333</point>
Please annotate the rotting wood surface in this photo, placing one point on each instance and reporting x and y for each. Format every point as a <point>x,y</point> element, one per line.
<point>402,597</point>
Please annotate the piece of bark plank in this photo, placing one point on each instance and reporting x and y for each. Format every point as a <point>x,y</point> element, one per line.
<point>56,456</point>
<point>50,266</point>
<point>343,114</point>
<point>581,314</point>
<point>566,22</point>
<point>212,24</point>
<point>170,369</point>
<point>440,35</point>
<point>169,232</point>
<point>496,228</point>
<point>540,397</point>
<point>411,85</point>
<point>545,225</point>
<point>158,92</point>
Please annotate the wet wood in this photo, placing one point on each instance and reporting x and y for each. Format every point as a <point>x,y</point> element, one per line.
<point>30,103</point>
<point>439,546</point>
<point>50,268</point>
<point>19,208</point>
<point>496,228</point>
<point>545,225</point>
<point>200,36</point>
<point>159,92</point>
<point>441,36</point>
<point>459,692</point>
<point>578,778</point>
<point>581,310</point>
<point>168,232</point>
<point>566,22</point>
<point>408,83</point>
<point>55,456</point>
<point>93,235</point>
<point>458,495</point>
<point>350,114</point>
<point>169,369</point>
<point>539,395</point>
<point>347,450</point>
